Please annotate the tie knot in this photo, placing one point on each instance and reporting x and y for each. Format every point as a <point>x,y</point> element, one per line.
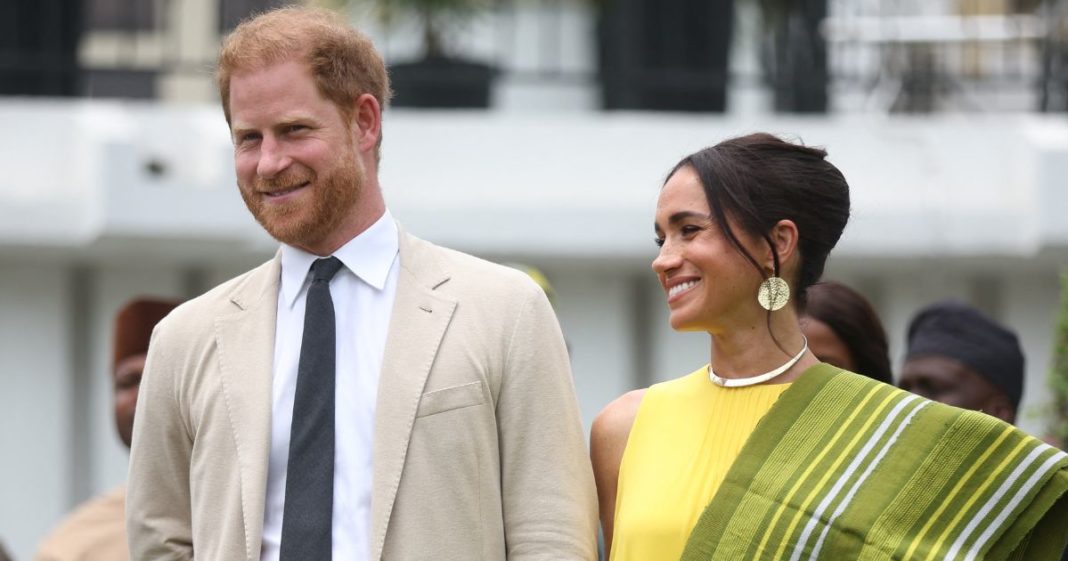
<point>325,269</point>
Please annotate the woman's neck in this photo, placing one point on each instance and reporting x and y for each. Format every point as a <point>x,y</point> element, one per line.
<point>756,349</point>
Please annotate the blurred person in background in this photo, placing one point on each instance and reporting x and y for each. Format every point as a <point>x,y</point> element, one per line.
<point>842,329</point>
<point>539,278</point>
<point>95,531</point>
<point>959,356</point>
<point>766,453</point>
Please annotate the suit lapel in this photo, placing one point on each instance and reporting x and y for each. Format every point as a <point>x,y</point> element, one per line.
<point>246,357</point>
<point>420,318</point>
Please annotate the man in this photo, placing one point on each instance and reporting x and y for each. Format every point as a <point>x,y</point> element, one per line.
<point>404,402</point>
<point>959,356</point>
<point>96,530</point>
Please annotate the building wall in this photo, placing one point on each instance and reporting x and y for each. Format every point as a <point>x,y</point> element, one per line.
<point>39,395</point>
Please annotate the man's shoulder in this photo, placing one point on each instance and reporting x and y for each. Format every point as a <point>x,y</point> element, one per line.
<point>468,273</point>
<point>241,291</point>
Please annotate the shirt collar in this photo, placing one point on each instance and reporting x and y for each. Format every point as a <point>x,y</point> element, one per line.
<point>369,256</point>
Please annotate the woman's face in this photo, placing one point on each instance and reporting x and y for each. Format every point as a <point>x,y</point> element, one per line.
<point>825,344</point>
<point>709,285</point>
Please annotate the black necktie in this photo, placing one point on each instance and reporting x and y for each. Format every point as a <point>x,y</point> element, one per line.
<point>309,502</point>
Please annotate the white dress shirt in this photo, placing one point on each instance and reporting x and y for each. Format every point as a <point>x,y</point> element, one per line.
<point>363,292</point>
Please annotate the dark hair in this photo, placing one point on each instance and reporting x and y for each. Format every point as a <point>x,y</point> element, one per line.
<point>852,318</point>
<point>760,179</point>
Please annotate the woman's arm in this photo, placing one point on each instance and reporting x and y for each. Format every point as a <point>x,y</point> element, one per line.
<point>608,440</point>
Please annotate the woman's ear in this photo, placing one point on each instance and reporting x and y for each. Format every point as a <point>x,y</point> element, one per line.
<point>783,237</point>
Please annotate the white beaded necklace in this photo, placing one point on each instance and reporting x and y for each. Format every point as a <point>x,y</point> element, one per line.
<point>754,380</point>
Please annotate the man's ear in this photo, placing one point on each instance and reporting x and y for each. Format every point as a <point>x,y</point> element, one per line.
<point>783,236</point>
<point>367,121</point>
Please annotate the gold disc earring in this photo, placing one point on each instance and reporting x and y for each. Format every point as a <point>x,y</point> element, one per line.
<point>773,293</point>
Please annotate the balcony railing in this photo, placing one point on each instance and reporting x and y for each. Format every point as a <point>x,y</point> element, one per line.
<point>826,55</point>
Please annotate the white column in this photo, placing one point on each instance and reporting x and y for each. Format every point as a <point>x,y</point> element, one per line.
<point>35,402</point>
<point>596,317</point>
<point>194,31</point>
<point>114,286</point>
<point>1030,308</point>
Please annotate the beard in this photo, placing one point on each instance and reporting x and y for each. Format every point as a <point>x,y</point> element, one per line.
<point>315,215</point>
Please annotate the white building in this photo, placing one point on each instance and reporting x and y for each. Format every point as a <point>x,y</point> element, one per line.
<point>104,200</point>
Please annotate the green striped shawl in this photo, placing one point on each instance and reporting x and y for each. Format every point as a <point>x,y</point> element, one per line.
<point>846,468</point>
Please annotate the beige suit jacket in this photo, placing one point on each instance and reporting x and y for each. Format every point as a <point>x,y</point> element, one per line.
<point>478,448</point>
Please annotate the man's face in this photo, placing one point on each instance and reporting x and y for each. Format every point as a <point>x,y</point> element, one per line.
<point>949,381</point>
<point>297,166</point>
<point>127,381</point>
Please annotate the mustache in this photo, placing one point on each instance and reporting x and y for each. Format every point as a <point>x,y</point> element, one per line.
<point>286,180</point>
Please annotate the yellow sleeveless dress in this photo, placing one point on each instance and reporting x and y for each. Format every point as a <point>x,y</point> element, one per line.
<point>686,435</point>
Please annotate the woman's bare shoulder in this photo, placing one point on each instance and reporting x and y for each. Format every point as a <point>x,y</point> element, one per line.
<point>613,423</point>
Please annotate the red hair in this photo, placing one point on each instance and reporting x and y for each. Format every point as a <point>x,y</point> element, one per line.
<point>342,61</point>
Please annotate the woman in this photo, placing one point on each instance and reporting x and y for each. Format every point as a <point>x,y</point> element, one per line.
<point>766,453</point>
<point>843,330</point>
